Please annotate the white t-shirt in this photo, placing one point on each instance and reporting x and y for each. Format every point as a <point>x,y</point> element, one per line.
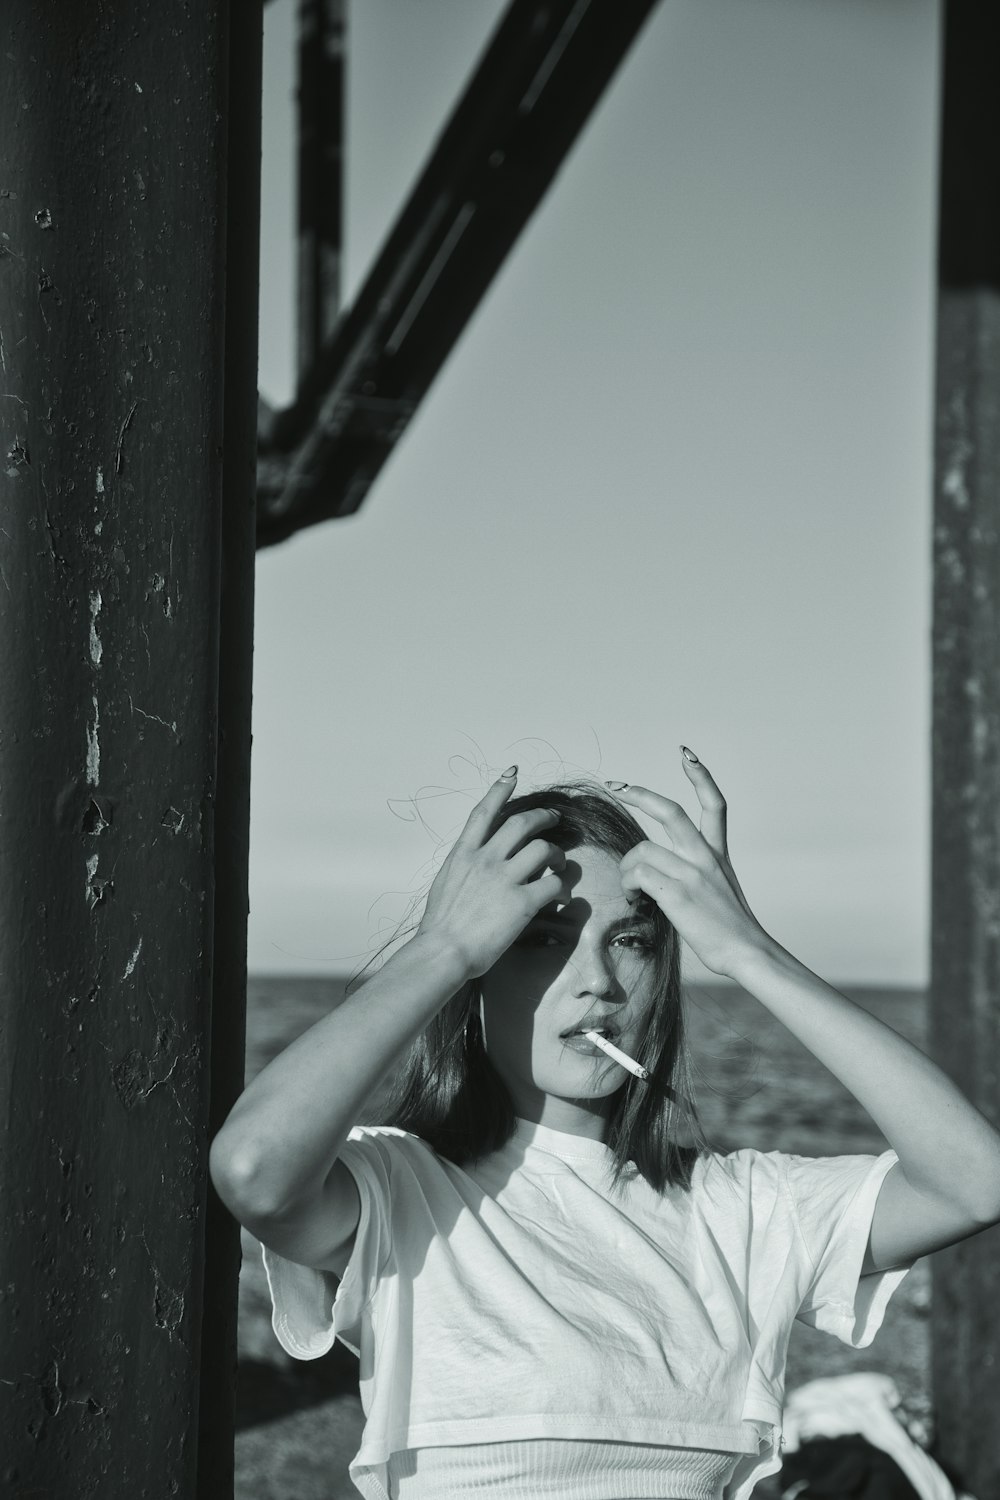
<point>520,1296</point>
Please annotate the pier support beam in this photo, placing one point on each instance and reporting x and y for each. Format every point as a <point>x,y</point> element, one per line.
<point>321,62</point>
<point>965,917</point>
<point>529,96</point>
<point>127,274</point>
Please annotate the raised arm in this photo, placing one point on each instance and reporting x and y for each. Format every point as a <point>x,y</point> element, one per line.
<point>946,1184</point>
<point>281,1139</point>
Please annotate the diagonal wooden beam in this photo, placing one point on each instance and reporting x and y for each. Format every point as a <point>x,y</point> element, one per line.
<point>533,90</point>
<point>322,34</point>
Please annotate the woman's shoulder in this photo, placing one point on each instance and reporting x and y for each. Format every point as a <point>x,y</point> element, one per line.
<point>363,1132</point>
<point>392,1141</point>
<point>737,1160</point>
<point>746,1169</point>
<point>388,1135</point>
<point>780,1177</point>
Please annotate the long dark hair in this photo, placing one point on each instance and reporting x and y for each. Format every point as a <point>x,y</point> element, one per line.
<point>447,1092</point>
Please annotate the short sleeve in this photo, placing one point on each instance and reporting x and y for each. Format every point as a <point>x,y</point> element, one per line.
<point>833,1200</point>
<point>311,1309</point>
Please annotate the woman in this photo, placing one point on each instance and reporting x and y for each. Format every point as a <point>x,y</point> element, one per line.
<point>550,1293</point>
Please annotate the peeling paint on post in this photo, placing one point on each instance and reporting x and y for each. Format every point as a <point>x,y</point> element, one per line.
<point>124,709</point>
<point>965,916</point>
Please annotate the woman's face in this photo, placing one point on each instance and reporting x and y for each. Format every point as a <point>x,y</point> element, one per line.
<point>588,962</point>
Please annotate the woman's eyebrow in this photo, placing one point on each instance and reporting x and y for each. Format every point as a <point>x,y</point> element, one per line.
<point>639,919</point>
<point>643,919</point>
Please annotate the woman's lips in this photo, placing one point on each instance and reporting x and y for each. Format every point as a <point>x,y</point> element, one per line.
<point>580,1043</point>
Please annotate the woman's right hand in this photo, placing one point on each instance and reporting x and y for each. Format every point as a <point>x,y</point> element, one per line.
<point>490,885</point>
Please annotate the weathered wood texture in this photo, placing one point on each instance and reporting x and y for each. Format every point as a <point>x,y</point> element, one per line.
<point>217,1403</point>
<point>965,919</point>
<point>113,573</point>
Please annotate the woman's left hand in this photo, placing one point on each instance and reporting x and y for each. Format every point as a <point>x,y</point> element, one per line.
<point>693,882</point>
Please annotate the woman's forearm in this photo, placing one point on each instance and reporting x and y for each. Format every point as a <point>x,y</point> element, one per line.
<point>946,1147</point>
<point>284,1132</point>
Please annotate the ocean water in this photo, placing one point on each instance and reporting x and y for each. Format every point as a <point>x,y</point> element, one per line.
<point>755,1084</point>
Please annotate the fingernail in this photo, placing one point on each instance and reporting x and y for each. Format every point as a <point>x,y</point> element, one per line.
<point>509,774</point>
<point>617,786</point>
<point>690,755</point>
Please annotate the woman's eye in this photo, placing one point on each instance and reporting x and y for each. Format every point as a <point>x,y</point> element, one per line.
<point>633,941</point>
<point>540,939</point>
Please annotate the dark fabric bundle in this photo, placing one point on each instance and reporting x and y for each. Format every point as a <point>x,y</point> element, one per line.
<point>843,1468</point>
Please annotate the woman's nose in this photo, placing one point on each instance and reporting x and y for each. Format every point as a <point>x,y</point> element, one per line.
<point>594,976</point>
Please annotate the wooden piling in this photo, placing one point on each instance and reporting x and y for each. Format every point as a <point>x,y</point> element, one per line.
<point>965,918</point>
<point>217,1387</point>
<point>123,764</point>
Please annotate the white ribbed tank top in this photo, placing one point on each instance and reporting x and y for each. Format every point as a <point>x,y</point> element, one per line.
<point>559,1469</point>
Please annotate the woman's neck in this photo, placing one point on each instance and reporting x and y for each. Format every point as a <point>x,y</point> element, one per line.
<point>586,1117</point>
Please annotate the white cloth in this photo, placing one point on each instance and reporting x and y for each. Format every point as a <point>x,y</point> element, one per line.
<point>559,1469</point>
<point>522,1297</point>
<point>863,1403</point>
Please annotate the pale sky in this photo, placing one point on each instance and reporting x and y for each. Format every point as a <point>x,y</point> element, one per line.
<point>672,485</point>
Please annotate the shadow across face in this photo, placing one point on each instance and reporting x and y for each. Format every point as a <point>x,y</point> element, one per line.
<point>588,961</point>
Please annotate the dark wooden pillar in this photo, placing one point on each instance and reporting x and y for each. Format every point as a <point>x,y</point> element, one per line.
<point>217,1404</point>
<point>124,724</point>
<point>965,957</point>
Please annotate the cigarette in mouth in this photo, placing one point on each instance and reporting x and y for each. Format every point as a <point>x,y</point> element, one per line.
<point>619,1056</point>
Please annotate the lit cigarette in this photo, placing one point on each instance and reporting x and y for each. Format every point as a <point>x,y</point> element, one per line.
<point>619,1056</point>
